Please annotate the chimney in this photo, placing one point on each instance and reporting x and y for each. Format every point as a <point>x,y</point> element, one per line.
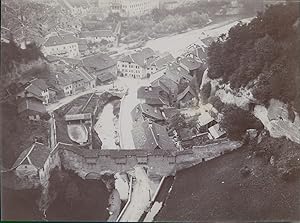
<point>157,136</point>
<point>150,88</point>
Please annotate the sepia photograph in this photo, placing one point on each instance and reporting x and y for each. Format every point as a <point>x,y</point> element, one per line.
<point>150,110</point>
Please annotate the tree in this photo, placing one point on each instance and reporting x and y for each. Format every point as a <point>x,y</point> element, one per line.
<point>177,122</point>
<point>72,193</point>
<point>205,92</point>
<point>236,121</point>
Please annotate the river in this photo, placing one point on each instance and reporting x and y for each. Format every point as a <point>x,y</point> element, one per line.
<point>107,125</point>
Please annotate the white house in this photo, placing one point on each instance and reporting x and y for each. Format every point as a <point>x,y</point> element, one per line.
<point>97,36</point>
<point>61,45</point>
<point>137,65</point>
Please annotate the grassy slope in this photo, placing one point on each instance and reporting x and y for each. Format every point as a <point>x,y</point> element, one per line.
<point>199,195</point>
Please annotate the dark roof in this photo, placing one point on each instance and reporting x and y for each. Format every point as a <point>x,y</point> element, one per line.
<point>175,72</point>
<point>207,41</point>
<point>166,84</point>
<point>147,110</point>
<point>65,79</point>
<point>190,63</point>
<point>160,63</point>
<point>98,62</point>
<point>185,92</point>
<point>60,40</point>
<point>96,33</point>
<point>107,76</point>
<point>140,58</point>
<point>37,154</point>
<point>170,112</point>
<point>31,104</point>
<point>153,95</point>
<point>150,136</point>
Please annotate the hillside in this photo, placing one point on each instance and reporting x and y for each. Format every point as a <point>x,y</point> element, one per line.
<point>220,190</point>
<point>262,56</point>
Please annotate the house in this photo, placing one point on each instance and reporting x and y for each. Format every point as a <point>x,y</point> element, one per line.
<point>191,65</point>
<point>200,52</point>
<point>205,121</point>
<point>61,45</point>
<point>99,64</point>
<point>129,8</point>
<point>169,112</point>
<point>137,65</point>
<point>31,108</point>
<point>96,36</point>
<point>143,112</point>
<point>33,162</point>
<point>216,131</point>
<point>169,86</point>
<point>151,136</point>
<point>70,83</point>
<point>176,73</point>
<point>163,62</point>
<point>89,79</point>
<point>186,96</point>
<point>36,88</point>
<point>105,78</point>
<point>154,96</point>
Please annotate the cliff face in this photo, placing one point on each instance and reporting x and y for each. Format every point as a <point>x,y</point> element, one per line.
<point>276,120</point>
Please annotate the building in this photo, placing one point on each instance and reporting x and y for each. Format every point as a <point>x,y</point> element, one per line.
<point>129,8</point>
<point>170,4</point>
<point>97,36</point>
<point>31,108</point>
<point>137,65</point>
<point>163,62</point>
<point>70,83</point>
<point>216,131</point>
<point>190,64</point>
<point>186,96</point>
<point>205,121</point>
<point>33,163</point>
<point>154,96</point>
<point>169,86</point>
<point>99,64</point>
<point>38,89</point>
<point>143,112</point>
<point>151,136</point>
<point>61,45</point>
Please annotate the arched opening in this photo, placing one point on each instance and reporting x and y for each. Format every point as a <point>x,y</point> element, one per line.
<point>93,176</point>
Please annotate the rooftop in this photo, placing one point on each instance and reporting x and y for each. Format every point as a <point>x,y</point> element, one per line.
<point>176,72</point>
<point>153,95</point>
<point>140,57</point>
<point>60,40</point>
<point>36,155</point>
<point>190,63</point>
<point>150,136</point>
<point>204,119</point>
<point>216,131</point>
<point>32,105</point>
<point>96,33</point>
<point>147,110</point>
<point>160,63</point>
<point>98,62</point>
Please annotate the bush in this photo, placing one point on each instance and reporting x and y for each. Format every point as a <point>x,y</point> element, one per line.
<point>205,92</point>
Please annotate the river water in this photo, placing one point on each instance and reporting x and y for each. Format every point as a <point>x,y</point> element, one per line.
<point>107,126</point>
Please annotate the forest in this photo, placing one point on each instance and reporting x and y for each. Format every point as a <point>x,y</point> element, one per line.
<point>262,55</point>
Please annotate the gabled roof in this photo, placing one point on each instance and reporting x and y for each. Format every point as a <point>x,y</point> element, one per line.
<point>185,92</point>
<point>160,63</point>
<point>207,41</point>
<point>31,105</point>
<point>106,76</point>
<point>36,155</point>
<point>153,95</point>
<point>96,33</point>
<point>166,84</point>
<point>190,63</point>
<point>85,75</point>
<point>170,112</point>
<point>60,40</point>
<point>176,72</point>
<point>41,84</point>
<point>147,110</point>
<point>98,62</point>
<point>65,79</point>
<point>140,58</point>
<point>149,136</point>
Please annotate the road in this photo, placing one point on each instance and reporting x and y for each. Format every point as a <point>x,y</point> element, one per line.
<point>127,105</point>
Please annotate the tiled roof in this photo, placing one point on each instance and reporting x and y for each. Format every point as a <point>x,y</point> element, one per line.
<point>31,104</point>
<point>207,41</point>
<point>85,75</point>
<point>65,79</point>
<point>170,112</point>
<point>175,72</point>
<point>185,92</point>
<point>37,155</point>
<point>98,62</point>
<point>60,40</point>
<point>140,57</point>
<point>190,63</point>
<point>150,136</point>
<point>153,95</point>
<point>147,110</point>
<point>166,84</point>
<point>96,33</point>
<point>160,63</point>
<point>41,84</point>
<point>106,76</point>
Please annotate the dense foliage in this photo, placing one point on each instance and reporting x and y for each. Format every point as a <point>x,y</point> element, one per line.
<point>236,121</point>
<point>12,55</point>
<point>263,55</point>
